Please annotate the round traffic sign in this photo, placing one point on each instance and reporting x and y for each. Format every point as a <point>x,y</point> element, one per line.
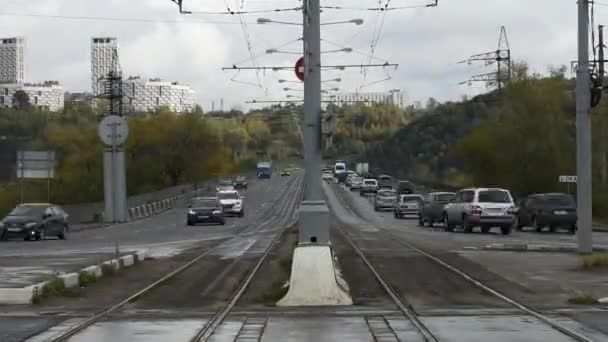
<point>113,130</point>
<point>300,69</point>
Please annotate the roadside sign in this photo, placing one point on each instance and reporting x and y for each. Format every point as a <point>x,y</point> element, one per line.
<point>568,179</point>
<point>113,130</point>
<point>299,69</point>
<point>36,164</point>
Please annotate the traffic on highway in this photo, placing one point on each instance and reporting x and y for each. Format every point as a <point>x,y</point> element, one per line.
<point>295,171</point>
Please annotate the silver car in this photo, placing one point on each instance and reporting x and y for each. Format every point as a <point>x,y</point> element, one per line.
<point>481,207</point>
<point>385,199</point>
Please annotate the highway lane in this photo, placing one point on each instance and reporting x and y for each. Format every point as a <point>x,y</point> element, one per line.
<point>459,239</point>
<point>167,234</point>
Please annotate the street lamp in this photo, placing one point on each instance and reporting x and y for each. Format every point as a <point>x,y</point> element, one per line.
<point>357,22</point>
<point>271,51</point>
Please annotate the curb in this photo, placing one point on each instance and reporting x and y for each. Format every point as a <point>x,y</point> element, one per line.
<point>25,295</point>
<point>535,248</point>
<point>153,208</point>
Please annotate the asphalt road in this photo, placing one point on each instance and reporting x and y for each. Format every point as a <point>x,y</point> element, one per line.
<point>458,239</point>
<point>162,235</point>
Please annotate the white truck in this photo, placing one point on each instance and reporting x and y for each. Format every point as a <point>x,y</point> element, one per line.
<point>362,169</point>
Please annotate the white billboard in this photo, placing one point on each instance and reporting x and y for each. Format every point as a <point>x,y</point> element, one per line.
<point>36,164</point>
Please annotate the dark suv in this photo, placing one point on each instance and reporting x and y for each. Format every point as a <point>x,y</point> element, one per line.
<point>34,221</point>
<point>551,210</point>
<point>205,209</point>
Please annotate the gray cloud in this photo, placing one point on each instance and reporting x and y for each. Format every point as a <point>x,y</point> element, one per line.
<point>426,42</point>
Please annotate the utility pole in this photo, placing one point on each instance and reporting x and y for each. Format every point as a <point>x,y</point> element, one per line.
<point>314,213</point>
<point>583,133</point>
<point>501,56</point>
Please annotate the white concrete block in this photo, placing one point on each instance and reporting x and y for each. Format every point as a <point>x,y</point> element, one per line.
<point>314,280</point>
<point>70,280</point>
<point>96,270</point>
<point>603,300</point>
<point>17,295</point>
<point>114,263</point>
<point>141,255</point>
<point>127,260</point>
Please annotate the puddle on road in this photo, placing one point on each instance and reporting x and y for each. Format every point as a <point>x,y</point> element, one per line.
<point>141,331</point>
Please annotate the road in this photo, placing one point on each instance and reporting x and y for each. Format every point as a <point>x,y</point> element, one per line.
<point>24,263</point>
<point>452,308</point>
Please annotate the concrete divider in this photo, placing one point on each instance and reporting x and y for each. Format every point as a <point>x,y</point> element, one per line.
<point>25,295</point>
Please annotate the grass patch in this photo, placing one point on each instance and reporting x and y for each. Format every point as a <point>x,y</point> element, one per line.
<point>86,279</point>
<point>582,299</point>
<point>279,286</point>
<point>594,261</point>
<point>109,270</point>
<point>53,287</point>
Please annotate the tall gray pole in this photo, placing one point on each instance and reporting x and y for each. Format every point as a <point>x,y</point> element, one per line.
<point>312,100</point>
<point>313,213</point>
<point>583,132</point>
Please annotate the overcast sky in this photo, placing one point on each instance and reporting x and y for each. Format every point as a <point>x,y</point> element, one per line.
<point>427,43</point>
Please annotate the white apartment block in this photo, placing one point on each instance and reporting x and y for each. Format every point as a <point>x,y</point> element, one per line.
<point>45,96</point>
<point>142,95</point>
<point>12,51</point>
<point>104,58</point>
<point>394,97</point>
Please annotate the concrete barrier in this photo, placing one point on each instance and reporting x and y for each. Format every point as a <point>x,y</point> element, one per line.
<point>95,270</point>
<point>70,280</point>
<point>127,260</point>
<point>141,256</point>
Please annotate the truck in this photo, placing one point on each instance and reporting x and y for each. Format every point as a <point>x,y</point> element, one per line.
<point>264,170</point>
<point>362,169</point>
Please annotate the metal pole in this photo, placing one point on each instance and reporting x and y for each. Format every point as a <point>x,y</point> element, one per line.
<point>114,176</point>
<point>312,100</point>
<point>583,133</point>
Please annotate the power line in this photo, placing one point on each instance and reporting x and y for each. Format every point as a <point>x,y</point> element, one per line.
<point>92,18</point>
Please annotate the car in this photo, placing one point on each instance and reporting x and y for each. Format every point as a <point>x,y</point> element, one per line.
<point>285,173</point>
<point>232,202</point>
<point>434,206</point>
<point>408,205</point>
<point>385,199</point>
<point>355,183</point>
<point>405,188</point>
<point>481,207</point>
<point>370,186</point>
<point>240,182</point>
<point>224,185</point>
<point>327,175</point>
<point>551,210</point>
<point>385,182</point>
<point>35,221</point>
<point>205,209</point>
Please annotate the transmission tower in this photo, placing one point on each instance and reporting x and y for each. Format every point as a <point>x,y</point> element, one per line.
<point>501,57</point>
<point>112,86</point>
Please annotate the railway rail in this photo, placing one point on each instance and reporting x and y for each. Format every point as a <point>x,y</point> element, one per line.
<point>272,218</point>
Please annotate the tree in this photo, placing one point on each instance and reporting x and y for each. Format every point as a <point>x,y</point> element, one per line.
<point>21,100</point>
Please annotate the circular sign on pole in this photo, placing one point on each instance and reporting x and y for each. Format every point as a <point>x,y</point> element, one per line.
<point>300,69</point>
<point>113,130</point>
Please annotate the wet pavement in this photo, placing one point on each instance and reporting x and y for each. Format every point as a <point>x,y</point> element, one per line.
<point>25,263</point>
<point>507,328</point>
<point>26,270</point>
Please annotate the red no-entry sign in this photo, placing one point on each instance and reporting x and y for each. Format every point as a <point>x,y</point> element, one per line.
<point>300,69</point>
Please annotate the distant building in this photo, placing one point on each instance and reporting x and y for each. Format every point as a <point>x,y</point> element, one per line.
<point>394,97</point>
<point>140,95</point>
<point>12,51</point>
<point>47,95</point>
<point>79,98</point>
<point>104,58</point>
<point>44,96</point>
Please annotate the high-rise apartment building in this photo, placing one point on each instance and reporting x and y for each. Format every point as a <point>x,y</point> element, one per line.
<point>12,51</point>
<point>104,58</point>
<point>140,95</point>
<point>47,95</point>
